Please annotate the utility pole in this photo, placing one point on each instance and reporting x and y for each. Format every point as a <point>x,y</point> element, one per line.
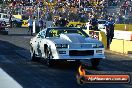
<point>21,9</point>
<point>79,3</point>
<point>38,11</point>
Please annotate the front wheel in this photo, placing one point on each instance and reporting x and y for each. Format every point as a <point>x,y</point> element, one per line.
<point>33,55</point>
<point>48,57</point>
<point>95,62</point>
<point>14,24</point>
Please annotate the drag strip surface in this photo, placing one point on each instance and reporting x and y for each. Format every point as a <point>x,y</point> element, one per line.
<point>15,61</point>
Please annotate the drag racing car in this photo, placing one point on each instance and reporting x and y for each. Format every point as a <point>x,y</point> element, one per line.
<point>65,44</point>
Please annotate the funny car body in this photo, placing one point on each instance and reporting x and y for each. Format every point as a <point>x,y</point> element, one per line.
<point>66,44</point>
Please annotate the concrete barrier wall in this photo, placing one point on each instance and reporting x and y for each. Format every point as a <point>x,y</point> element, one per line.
<point>103,38</point>
<point>124,35</point>
<point>117,45</point>
<point>123,27</point>
<point>127,47</point>
<point>121,46</point>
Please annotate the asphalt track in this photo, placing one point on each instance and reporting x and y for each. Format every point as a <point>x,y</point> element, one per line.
<point>18,71</point>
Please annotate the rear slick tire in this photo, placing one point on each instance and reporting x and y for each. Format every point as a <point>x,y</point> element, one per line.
<point>34,58</point>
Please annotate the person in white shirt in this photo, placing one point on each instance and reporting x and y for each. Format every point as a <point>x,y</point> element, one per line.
<point>30,25</point>
<point>35,25</point>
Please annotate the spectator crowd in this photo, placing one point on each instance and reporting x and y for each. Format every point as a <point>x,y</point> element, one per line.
<point>72,10</point>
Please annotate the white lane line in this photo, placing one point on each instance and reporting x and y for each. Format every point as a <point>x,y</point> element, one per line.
<point>6,81</point>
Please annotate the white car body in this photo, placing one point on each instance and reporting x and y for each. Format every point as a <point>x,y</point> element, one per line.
<point>66,46</point>
<point>101,24</point>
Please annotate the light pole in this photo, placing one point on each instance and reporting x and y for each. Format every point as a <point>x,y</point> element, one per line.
<point>38,12</point>
<point>79,3</point>
<point>21,7</point>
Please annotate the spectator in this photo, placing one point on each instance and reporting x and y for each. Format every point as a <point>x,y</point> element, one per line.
<point>109,31</point>
<point>30,25</point>
<point>41,23</point>
<point>35,25</point>
<point>10,20</point>
<point>61,22</point>
<point>94,23</point>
